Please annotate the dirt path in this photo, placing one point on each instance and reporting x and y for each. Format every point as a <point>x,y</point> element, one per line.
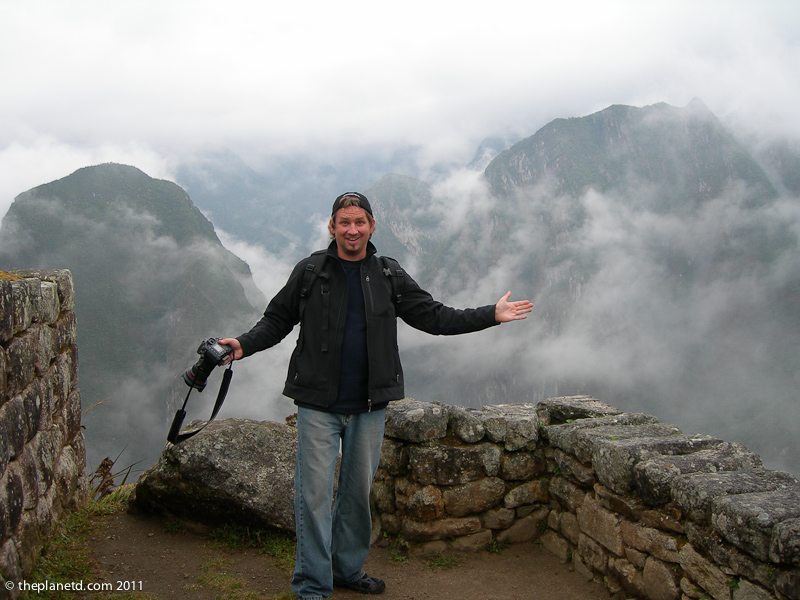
<point>166,564</point>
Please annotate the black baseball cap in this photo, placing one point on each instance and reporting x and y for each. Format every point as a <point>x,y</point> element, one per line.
<point>362,202</point>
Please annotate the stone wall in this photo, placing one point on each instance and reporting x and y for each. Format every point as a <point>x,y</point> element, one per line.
<point>42,455</point>
<point>652,512</point>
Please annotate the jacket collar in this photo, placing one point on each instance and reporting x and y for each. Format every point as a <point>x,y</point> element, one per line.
<point>371,249</point>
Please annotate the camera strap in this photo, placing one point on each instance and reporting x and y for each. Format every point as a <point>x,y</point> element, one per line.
<point>174,436</point>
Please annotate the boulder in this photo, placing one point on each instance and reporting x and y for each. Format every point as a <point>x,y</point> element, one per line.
<point>235,470</point>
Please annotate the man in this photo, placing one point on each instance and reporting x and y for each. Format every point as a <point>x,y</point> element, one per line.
<point>342,374</point>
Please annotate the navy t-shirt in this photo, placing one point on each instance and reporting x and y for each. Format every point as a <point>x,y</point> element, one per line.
<point>354,370</point>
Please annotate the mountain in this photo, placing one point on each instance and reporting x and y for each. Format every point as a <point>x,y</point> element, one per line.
<point>151,279</point>
<point>685,154</point>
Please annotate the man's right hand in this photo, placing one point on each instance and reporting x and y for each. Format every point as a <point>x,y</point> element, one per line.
<point>237,349</point>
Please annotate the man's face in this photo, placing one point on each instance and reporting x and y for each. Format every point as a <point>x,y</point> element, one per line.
<point>351,227</point>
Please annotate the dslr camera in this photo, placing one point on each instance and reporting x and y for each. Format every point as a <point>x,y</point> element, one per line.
<point>212,353</point>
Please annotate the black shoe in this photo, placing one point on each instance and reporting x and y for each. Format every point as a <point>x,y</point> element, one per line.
<point>364,584</point>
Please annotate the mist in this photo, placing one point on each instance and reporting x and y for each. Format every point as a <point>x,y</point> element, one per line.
<point>689,316</point>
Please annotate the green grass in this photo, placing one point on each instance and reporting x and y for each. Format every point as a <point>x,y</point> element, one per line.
<point>216,576</point>
<point>277,545</point>
<point>442,561</point>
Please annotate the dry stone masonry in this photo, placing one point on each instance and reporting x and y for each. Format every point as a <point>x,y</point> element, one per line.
<point>42,455</point>
<point>653,512</point>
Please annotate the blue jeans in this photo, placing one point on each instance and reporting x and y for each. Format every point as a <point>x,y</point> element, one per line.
<point>333,540</point>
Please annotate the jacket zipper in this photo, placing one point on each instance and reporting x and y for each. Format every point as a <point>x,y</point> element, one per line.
<point>369,310</point>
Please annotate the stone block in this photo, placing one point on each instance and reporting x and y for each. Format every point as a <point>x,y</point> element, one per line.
<point>6,311</point>
<point>636,558</point>
<point>601,525</point>
<point>521,465</point>
<point>668,518</point>
<point>515,426</point>
<point>465,424</point>
<point>785,543</point>
<point>556,545</point>
<point>570,467</point>
<point>745,590</point>
<point>21,358</point>
<point>72,415</point>
<point>382,495</point>
<point>628,577</point>
<point>15,497</point>
<point>473,497</point>
<point>4,522</point>
<point>628,506</point>
<point>474,542</point>
<point>788,584</point>
<point>747,520</point>
<point>394,457</point>
<point>4,395</point>
<point>63,280</point>
<point>563,409</point>
<point>660,580</point>
<point>390,523</point>
<point>13,429</point>
<point>653,476</point>
<point>525,529</point>
<point>27,469</point>
<point>615,458</point>
<point>415,421</point>
<point>554,519</point>
<point>25,299</point>
<point>46,446</point>
<point>66,330</point>
<point>530,492</point>
<point>451,465</point>
<point>10,567</point>
<point>32,403</point>
<point>49,305</point>
<point>695,493</point>
<point>581,568</point>
<point>578,438</point>
<point>498,518</point>
<point>48,348</point>
<point>592,554</point>
<point>704,573</point>
<point>691,589</point>
<point>425,504</point>
<point>567,493</point>
<point>569,527</point>
<point>652,541</point>
<point>441,529</point>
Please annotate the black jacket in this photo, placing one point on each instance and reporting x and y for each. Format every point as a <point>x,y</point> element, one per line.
<point>313,378</point>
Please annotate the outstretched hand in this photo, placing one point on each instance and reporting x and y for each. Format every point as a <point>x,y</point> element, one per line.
<point>505,311</point>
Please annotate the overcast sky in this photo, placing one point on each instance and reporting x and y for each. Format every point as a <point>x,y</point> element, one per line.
<point>151,83</point>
